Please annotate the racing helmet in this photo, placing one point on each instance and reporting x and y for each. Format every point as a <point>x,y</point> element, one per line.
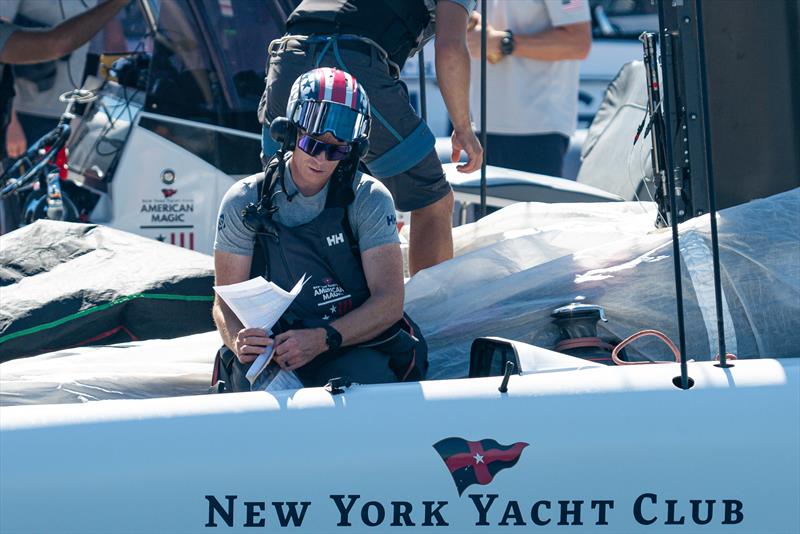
<point>330,100</point>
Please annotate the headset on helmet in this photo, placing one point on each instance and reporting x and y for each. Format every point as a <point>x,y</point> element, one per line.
<point>325,100</point>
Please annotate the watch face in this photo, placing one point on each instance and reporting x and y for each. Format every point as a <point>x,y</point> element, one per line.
<point>507,45</point>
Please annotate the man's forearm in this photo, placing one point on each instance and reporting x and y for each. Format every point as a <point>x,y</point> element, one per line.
<point>370,319</point>
<point>76,31</point>
<point>34,46</point>
<point>452,72</point>
<point>228,325</point>
<point>571,42</point>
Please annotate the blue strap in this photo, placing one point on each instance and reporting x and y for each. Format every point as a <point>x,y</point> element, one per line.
<point>385,123</point>
<point>405,155</point>
<point>324,51</point>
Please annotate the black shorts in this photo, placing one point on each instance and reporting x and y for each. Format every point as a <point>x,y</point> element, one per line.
<point>412,171</point>
<point>356,364</point>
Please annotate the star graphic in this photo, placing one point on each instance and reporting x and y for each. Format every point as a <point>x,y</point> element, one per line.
<point>160,238</point>
<point>325,317</point>
<point>333,308</point>
<point>478,459</point>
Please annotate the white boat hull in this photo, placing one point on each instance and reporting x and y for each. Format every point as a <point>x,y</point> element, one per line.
<point>611,449</point>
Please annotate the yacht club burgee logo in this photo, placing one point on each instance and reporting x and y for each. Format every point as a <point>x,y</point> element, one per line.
<point>477,462</point>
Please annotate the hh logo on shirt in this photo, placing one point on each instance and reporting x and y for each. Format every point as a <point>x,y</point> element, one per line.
<point>335,239</point>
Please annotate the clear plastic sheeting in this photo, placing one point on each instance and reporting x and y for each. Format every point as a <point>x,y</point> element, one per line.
<point>514,267</point>
<point>135,370</point>
<point>610,159</point>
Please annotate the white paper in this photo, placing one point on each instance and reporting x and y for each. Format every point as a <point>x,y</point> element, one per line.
<point>259,304</point>
<point>273,378</point>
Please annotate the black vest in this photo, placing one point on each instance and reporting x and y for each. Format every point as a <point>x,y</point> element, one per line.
<point>325,249</point>
<point>394,24</point>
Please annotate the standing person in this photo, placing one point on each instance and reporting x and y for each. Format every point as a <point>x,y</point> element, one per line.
<point>372,40</point>
<point>534,48</point>
<point>21,46</point>
<point>38,86</point>
<point>317,215</point>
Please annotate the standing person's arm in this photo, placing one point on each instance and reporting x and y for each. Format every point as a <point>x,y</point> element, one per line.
<point>16,143</point>
<point>34,46</point>
<point>452,72</point>
<point>570,41</point>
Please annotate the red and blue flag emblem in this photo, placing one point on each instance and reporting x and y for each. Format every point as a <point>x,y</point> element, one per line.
<point>476,462</point>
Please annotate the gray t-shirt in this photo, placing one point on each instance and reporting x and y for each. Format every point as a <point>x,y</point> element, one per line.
<point>372,214</point>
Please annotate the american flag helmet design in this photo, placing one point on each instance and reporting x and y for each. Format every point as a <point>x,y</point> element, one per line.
<point>329,100</point>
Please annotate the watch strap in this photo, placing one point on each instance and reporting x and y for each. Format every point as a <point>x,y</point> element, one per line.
<point>333,338</point>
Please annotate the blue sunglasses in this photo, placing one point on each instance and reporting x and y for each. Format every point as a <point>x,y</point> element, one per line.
<point>314,147</point>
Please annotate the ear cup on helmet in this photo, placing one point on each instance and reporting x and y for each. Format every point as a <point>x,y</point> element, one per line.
<point>283,131</point>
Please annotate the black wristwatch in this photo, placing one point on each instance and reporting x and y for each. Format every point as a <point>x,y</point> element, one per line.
<point>332,337</point>
<point>507,43</point>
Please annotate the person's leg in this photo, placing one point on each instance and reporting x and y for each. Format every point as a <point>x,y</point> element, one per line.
<point>359,364</point>
<point>431,238</point>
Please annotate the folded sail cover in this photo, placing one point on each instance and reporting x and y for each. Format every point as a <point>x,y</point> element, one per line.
<point>64,285</point>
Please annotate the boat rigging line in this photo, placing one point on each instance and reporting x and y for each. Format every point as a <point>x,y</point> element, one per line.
<point>642,333</point>
<point>423,101</point>
<point>660,156</point>
<point>483,107</point>
<point>712,196</point>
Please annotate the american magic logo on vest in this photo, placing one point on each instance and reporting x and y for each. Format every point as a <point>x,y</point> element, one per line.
<point>472,463</point>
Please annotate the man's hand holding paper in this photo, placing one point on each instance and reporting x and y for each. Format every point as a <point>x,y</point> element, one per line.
<point>258,304</point>
<point>250,342</point>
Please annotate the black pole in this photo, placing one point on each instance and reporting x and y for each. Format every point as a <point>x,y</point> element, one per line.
<point>423,102</point>
<point>712,196</point>
<point>673,203</point>
<point>483,107</point>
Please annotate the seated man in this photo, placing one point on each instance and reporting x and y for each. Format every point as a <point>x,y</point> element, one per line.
<point>318,216</point>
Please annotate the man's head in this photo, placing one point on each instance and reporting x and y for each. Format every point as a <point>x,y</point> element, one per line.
<point>329,100</point>
<point>327,123</point>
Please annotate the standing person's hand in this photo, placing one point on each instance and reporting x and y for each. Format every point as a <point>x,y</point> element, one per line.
<point>493,40</point>
<point>467,141</point>
<point>16,144</point>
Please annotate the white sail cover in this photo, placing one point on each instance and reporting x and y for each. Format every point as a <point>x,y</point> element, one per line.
<point>512,269</point>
